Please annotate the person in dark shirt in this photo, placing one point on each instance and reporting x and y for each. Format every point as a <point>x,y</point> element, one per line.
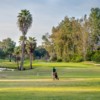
<point>55,75</point>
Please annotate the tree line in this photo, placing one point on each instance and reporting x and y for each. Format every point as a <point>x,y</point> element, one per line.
<point>75,39</point>
<point>11,52</point>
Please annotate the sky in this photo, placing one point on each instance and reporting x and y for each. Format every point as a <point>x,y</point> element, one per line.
<point>45,14</point>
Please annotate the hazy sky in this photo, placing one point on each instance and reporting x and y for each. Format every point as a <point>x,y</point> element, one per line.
<point>46,14</point>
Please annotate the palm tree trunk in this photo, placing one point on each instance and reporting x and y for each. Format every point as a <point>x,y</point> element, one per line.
<point>31,59</point>
<point>22,56</point>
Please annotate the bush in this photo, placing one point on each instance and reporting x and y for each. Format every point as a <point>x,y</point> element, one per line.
<point>77,58</point>
<point>96,56</point>
<point>59,60</point>
<point>89,55</point>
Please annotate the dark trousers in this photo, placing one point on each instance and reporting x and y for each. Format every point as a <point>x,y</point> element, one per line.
<point>55,75</point>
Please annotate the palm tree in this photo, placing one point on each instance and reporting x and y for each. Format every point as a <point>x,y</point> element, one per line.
<point>30,47</point>
<point>24,23</point>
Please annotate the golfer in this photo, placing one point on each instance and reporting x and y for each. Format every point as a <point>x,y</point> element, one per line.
<point>55,75</point>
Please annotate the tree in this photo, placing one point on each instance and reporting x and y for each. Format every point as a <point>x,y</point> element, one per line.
<point>95,27</point>
<point>48,45</point>
<point>41,53</point>
<point>2,54</point>
<point>85,30</point>
<point>24,23</point>
<point>75,39</point>
<point>67,39</point>
<point>7,45</point>
<point>30,47</point>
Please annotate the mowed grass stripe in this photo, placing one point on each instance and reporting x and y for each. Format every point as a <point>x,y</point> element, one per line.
<point>51,89</point>
<point>49,80</point>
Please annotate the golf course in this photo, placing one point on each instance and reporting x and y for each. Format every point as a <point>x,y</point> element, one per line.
<point>77,81</point>
<point>50,50</point>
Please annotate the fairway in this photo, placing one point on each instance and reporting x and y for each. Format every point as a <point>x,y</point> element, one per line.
<point>48,89</point>
<point>50,50</point>
<point>48,85</point>
<point>78,81</point>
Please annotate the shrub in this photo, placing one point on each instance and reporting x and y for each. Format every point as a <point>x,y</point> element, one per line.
<point>59,60</point>
<point>89,55</point>
<point>77,58</point>
<point>96,56</point>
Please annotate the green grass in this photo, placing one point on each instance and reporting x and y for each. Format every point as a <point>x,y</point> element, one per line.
<point>78,81</point>
<point>7,64</point>
<point>46,72</point>
<point>49,96</point>
<point>50,90</point>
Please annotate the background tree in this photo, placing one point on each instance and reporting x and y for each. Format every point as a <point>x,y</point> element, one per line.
<point>7,46</point>
<point>49,46</point>
<point>30,47</point>
<point>95,27</point>
<point>85,30</point>
<point>67,39</point>
<point>2,54</point>
<point>24,23</point>
<point>41,53</point>
<point>94,19</point>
